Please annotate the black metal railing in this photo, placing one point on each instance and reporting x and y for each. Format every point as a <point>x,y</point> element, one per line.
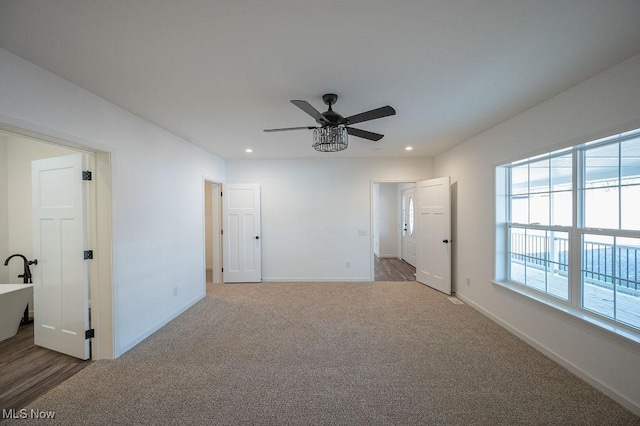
<point>598,259</point>
<point>541,251</point>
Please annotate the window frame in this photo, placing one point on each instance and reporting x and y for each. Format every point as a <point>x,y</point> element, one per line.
<point>576,232</point>
<point>536,226</point>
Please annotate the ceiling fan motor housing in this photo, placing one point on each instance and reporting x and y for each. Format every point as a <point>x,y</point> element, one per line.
<point>332,118</point>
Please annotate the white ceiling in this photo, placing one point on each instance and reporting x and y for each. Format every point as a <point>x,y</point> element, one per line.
<point>218,72</point>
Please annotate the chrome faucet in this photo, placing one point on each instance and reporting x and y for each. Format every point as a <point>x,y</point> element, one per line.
<point>26,275</point>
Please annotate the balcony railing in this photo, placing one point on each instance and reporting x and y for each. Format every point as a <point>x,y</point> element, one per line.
<point>598,259</point>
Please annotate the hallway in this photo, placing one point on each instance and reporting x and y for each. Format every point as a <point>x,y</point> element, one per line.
<point>393,269</point>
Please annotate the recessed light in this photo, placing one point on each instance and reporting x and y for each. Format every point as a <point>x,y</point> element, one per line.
<point>248,150</point>
<point>409,148</point>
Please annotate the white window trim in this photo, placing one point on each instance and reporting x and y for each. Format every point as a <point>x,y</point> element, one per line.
<point>611,328</point>
<point>572,307</point>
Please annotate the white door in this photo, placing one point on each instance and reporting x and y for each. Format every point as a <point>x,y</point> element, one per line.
<point>408,226</point>
<point>61,277</point>
<point>241,233</point>
<point>434,234</point>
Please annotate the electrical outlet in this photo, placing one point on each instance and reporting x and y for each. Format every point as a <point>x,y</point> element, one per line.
<point>175,291</point>
<point>468,282</point>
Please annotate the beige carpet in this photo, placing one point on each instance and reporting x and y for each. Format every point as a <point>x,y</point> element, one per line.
<point>333,354</point>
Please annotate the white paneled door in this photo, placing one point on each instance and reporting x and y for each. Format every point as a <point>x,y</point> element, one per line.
<point>408,226</point>
<point>241,233</point>
<point>61,277</point>
<point>434,234</point>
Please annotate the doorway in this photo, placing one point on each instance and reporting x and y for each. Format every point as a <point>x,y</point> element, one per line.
<point>232,233</point>
<point>213,232</point>
<point>388,224</point>
<point>24,362</point>
<point>18,148</point>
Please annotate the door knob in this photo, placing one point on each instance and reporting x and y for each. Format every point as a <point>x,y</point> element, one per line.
<point>445,241</point>
<point>257,237</point>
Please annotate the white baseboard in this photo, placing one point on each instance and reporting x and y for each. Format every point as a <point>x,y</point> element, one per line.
<point>621,399</point>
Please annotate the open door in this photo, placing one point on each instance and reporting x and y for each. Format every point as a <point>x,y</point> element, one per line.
<point>241,233</point>
<point>434,234</point>
<point>61,277</point>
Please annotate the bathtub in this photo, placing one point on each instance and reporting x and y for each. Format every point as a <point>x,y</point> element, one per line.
<point>14,298</point>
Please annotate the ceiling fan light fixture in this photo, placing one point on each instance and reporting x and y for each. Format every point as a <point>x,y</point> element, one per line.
<point>334,129</point>
<point>330,138</point>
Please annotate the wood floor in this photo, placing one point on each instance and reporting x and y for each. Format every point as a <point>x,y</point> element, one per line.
<point>390,269</point>
<point>28,371</point>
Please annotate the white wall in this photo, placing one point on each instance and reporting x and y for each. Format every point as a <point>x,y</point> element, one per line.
<point>388,220</point>
<point>20,153</point>
<point>606,104</point>
<point>157,181</point>
<point>314,209</point>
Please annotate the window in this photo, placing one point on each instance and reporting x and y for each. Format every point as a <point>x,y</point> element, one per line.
<point>540,218</point>
<point>411,216</point>
<point>571,227</point>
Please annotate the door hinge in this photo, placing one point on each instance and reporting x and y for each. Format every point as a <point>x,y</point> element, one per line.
<point>222,232</point>
<point>88,254</point>
<point>222,270</point>
<point>89,333</point>
<point>86,175</point>
<point>221,193</point>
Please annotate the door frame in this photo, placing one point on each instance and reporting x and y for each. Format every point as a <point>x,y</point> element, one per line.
<point>216,230</point>
<point>99,224</point>
<point>372,207</point>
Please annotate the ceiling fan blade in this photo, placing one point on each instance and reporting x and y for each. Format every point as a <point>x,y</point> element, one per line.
<point>284,129</point>
<point>364,134</point>
<point>384,111</point>
<point>309,109</point>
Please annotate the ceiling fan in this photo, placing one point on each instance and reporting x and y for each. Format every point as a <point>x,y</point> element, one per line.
<point>331,136</point>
